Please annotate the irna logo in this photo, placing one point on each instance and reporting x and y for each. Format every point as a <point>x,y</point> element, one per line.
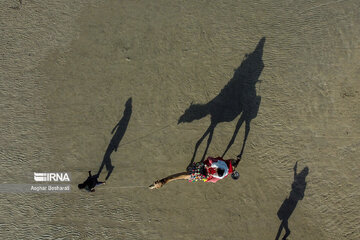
<point>51,177</point>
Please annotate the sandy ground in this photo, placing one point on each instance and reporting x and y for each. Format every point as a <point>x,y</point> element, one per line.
<point>67,69</point>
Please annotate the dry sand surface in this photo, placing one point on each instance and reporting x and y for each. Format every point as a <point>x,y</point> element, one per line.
<point>68,67</point>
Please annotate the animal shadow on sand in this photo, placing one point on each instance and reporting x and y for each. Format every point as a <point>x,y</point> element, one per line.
<point>238,97</point>
<point>119,130</point>
<point>289,204</point>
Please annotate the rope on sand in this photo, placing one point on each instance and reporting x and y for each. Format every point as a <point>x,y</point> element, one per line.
<point>106,187</point>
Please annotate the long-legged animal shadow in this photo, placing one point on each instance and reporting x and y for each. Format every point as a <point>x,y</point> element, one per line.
<point>237,97</point>
<point>289,204</point>
<point>119,130</point>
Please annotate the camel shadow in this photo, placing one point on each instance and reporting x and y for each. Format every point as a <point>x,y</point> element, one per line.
<point>288,206</point>
<point>119,130</point>
<point>237,97</point>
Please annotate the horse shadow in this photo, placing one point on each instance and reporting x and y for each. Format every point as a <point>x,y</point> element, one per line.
<point>288,206</point>
<point>237,97</point>
<point>119,130</point>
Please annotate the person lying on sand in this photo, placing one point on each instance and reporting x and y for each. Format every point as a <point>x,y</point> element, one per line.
<point>210,170</point>
<point>90,183</point>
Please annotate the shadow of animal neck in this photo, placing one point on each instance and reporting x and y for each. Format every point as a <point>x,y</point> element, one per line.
<point>252,66</point>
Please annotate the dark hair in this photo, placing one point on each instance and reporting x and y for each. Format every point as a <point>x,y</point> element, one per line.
<point>81,186</point>
<point>220,172</point>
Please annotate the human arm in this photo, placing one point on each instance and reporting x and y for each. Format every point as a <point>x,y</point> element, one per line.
<point>295,170</point>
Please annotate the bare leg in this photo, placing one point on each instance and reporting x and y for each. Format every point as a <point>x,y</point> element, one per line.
<point>178,176</point>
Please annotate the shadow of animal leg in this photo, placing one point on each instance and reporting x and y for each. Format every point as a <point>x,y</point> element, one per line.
<point>236,131</point>
<point>208,142</point>
<point>198,144</point>
<point>247,130</point>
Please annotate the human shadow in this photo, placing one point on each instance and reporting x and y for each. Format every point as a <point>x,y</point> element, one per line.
<point>90,183</point>
<point>237,97</point>
<point>289,204</point>
<point>119,130</point>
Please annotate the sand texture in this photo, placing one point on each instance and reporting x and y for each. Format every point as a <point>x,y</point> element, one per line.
<point>283,73</point>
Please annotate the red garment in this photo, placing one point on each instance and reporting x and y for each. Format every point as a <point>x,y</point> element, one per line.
<point>211,170</point>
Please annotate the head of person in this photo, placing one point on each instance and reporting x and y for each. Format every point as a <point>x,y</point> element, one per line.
<point>220,172</point>
<point>305,171</point>
<point>81,186</point>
